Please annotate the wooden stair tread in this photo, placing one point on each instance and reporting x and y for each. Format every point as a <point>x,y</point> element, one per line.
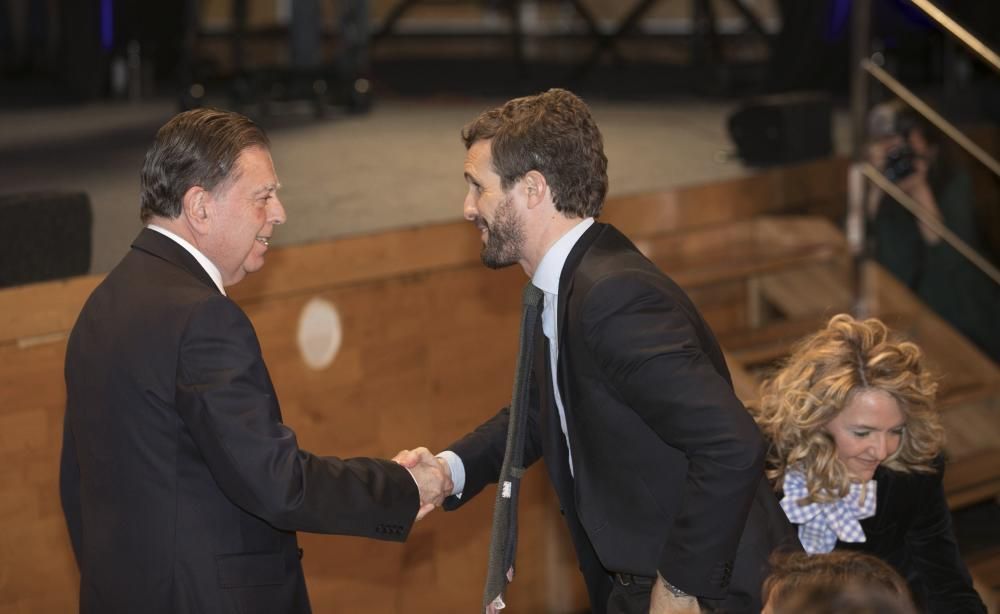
<point>743,249</point>
<point>985,565</point>
<point>985,569</point>
<point>802,291</point>
<point>781,331</point>
<point>973,478</point>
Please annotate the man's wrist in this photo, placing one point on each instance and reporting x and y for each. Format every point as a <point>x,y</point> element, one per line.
<point>673,590</point>
<point>456,470</point>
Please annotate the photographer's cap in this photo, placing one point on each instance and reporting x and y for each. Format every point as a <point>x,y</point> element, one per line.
<point>883,119</point>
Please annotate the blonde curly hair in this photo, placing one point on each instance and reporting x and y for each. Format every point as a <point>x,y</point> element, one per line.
<point>820,378</point>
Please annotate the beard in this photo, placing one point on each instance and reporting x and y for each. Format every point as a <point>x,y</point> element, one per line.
<point>504,237</point>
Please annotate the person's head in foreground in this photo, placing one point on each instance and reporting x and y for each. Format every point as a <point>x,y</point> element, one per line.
<point>801,582</point>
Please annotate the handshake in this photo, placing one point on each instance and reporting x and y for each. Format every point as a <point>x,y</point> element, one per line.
<point>432,474</point>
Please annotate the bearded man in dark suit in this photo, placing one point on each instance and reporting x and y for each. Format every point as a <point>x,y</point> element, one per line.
<point>181,486</point>
<point>657,465</point>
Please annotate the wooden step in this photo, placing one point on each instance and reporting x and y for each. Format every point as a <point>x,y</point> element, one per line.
<point>973,479</point>
<point>985,569</point>
<point>743,250</point>
<point>800,292</point>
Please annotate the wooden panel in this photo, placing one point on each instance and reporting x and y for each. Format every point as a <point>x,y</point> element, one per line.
<point>812,187</point>
<point>378,256</point>
<point>972,479</point>
<point>37,570</point>
<point>32,312</point>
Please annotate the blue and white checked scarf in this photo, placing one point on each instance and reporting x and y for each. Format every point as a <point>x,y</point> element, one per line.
<point>822,524</point>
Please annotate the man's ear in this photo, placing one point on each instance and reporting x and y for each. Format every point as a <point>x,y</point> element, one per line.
<point>195,208</point>
<point>536,188</point>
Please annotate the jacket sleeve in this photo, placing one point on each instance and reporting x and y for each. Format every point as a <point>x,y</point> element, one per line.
<point>482,450</point>
<point>650,352</point>
<point>225,397</point>
<point>69,489</point>
<point>936,558</point>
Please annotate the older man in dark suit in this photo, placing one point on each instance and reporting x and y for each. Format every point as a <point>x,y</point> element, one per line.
<point>181,487</point>
<point>657,466</point>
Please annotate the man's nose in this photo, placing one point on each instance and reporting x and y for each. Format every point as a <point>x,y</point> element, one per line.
<point>469,211</point>
<point>276,212</point>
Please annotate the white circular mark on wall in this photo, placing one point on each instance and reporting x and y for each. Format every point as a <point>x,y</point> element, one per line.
<point>319,333</point>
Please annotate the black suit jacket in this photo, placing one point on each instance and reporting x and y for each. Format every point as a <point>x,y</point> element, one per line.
<point>912,531</point>
<point>668,464</point>
<point>181,487</point>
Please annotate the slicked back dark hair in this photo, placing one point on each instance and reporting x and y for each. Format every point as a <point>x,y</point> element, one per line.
<point>552,133</point>
<point>195,148</point>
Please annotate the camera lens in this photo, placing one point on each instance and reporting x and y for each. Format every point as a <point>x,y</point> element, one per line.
<point>899,163</point>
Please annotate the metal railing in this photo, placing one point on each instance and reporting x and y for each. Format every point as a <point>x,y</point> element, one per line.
<point>856,212</point>
<point>961,34</point>
<point>929,220</point>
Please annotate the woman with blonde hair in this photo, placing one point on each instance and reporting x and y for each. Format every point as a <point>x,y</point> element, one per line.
<point>855,452</point>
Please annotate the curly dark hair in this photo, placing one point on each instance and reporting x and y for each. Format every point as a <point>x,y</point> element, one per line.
<point>552,133</point>
<point>198,147</point>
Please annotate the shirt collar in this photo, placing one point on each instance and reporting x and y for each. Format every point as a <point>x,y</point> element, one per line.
<point>210,268</point>
<point>546,276</point>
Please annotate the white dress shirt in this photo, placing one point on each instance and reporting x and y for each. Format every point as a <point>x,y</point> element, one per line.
<point>546,279</point>
<point>210,268</point>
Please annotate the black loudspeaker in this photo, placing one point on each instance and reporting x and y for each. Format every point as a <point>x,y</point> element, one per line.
<point>47,236</point>
<point>783,128</point>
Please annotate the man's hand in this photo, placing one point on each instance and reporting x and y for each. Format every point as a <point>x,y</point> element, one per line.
<point>662,601</point>
<point>433,477</point>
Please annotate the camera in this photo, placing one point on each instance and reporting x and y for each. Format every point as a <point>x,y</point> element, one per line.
<point>899,163</point>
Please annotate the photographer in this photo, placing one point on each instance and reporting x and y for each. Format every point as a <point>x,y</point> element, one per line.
<point>913,154</point>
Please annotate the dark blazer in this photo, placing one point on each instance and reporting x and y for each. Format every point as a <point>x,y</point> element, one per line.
<point>912,531</point>
<point>181,487</point>
<point>667,462</point>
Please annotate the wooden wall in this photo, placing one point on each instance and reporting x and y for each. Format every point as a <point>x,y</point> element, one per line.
<point>428,352</point>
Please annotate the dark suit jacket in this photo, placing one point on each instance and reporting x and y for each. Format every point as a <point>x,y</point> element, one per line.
<point>912,531</point>
<point>667,462</point>
<point>181,487</point>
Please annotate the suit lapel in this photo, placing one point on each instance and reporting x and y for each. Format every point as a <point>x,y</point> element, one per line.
<point>569,273</point>
<point>165,248</point>
<point>566,278</point>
